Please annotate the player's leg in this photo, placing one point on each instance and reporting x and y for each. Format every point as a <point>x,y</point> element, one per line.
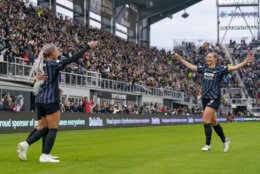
<point>219,130</point>
<point>35,135</point>
<point>53,124</point>
<point>207,116</point>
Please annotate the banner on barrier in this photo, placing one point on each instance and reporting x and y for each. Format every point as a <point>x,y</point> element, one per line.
<point>11,122</point>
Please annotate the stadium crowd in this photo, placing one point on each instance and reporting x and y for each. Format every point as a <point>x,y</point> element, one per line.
<point>88,107</point>
<point>250,74</point>
<point>114,59</point>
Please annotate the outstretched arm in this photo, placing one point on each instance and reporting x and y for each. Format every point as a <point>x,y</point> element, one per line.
<point>186,63</point>
<point>241,65</point>
<point>75,57</point>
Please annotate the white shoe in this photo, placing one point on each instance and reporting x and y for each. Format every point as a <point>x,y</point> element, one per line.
<point>226,144</point>
<point>44,158</point>
<point>54,157</point>
<point>206,148</point>
<point>22,150</point>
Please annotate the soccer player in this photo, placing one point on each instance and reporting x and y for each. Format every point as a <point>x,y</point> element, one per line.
<point>42,77</point>
<point>212,77</point>
<point>48,98</point>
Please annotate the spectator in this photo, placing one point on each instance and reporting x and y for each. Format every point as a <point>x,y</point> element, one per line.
<point>88,104</point>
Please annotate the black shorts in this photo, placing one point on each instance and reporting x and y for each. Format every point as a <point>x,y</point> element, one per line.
<point>212,103</point>
<point>44,109</point>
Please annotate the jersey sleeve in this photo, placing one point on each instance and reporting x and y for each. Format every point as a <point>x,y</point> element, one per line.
<point>224,69</point>
<point>201,69</point>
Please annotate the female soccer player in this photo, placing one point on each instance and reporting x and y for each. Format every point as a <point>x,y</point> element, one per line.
<point>212,77</point>
<point>41,77</point>
<point>48,98</point>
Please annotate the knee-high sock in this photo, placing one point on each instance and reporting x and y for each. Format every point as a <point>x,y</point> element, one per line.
<point>44,141</point>
<point>218,129</point>
<point>208,133</point>
<point>31,133</point>
<point>37,135</point>
<point>50,141</point>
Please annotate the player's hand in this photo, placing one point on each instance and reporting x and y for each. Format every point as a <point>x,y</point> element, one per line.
<point>176,57</point>
<point>31,42</point>
<point>249,59</point>
<point>92,44</point>
<point>60,91</point>
<point>42,76</point>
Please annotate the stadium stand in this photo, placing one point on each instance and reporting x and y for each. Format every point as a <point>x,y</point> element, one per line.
<point>114,59</point>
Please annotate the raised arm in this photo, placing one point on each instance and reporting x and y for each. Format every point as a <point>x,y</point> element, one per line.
<point>241,65</point>
<point>75,57</point>
<point>186,63</point>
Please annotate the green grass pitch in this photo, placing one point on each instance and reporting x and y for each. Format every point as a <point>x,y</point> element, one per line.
<point>144,150</point>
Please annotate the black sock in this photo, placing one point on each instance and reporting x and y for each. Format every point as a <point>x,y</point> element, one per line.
<point>44,141</point>
<point>33,131</point>
<point>37,135</point>
<point>50,141</point>
<point>208,133</point>
<point>220,132</point>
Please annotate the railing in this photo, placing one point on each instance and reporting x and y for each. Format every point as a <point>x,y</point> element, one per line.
<point>19,70</point>
<point>232,91</point>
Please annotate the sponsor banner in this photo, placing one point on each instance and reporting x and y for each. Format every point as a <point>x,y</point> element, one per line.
<point>95,122</point>
<point>11,122</point>
<point>156,121</point>
<point>225,14</point>
<point>249,119</point>
<point>109,95</point>
<point>238,27</point>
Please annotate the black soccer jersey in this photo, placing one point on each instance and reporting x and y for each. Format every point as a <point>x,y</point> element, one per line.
<point>212,78</point>
<point>49,92</point>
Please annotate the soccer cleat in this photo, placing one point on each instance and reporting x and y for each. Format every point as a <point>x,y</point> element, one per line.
<point>53,157</point>
<point>22,150</point>
<point>206,148</point>
<point>44,158</point>
<point>226,144</point>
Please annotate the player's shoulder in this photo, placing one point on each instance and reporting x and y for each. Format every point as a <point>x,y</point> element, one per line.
<point>54,62</point>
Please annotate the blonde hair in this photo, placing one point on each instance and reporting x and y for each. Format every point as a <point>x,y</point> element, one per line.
<point>38,64</point>
<point>215,55</point>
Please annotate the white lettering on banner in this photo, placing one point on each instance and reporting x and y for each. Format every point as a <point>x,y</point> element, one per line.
<point>95,122</point>
<point>156,120</point>
<point>76,122</point>
<point>174,120</point>
<point>119,96</point>
<point>33,123</point>
<point>127,121</point>
<point>20,123</point>
<point>249,119</point>
<point>5,123</point>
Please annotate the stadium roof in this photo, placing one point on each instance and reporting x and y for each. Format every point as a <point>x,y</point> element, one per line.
<point>156,10</point>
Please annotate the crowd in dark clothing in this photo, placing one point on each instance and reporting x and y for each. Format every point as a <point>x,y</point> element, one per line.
<point>118,108</point>
<point>114,58</point>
